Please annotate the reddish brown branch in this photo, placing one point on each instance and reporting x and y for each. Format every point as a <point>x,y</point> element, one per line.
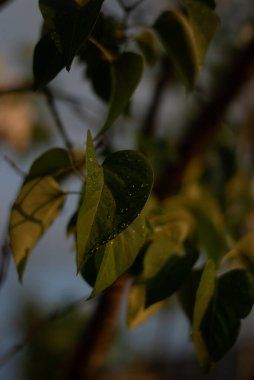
<point>149,124</point>
<point>97,338</point>
<point>203,128</point>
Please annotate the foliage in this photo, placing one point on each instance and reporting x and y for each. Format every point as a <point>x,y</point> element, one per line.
<point>184,244</point>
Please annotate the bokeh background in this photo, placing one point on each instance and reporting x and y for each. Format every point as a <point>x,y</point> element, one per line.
<point>161,347</point>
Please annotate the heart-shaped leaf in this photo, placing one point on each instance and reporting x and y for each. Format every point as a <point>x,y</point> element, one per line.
<point>222,302</point>
<point>119,254</point>
<point>69,24</point>
<point>126,72</point>
<point>53,162</point>
<point>37,205</point>
<point>232,301</point>
<point>47,62</point>
<point>115,194</point>
<point>186,39</point>
<point>137,313</point>
<point>170,256</point>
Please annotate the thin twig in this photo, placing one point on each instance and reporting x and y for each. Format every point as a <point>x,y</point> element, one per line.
<point>5,260</point>
<point>14,166</point>
<point>57,118</point>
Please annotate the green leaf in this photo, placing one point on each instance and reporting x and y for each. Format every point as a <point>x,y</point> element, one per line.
<point>170,255</point>
<point>204,24</point>
<point>119,254</point>
<point>37,205</point>
<point>232,301</point>
<point>166,267</point>
<point>204,295</point>
<point>221,303</point>
<point>89,207</point>
<point>186,39</point>
<point>126,72</point>
<point>53,162</point>
<point>188,291</point>
<point>209,220</point>
<point>242,255</point>
<point>115,194</point>
<point>176,37</point>
<point>47,62</point>
<point>148,45</point>
<point>69,24</point>
<point>137,313</point>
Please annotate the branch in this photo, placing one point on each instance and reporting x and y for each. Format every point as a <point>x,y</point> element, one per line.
<point>5,260</point>
<point>23,87</point>
<point>149,124</point>
<point>203,128</point>
<point>97,337</point>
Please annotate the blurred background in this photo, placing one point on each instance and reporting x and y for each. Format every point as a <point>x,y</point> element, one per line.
<point>161,347</point>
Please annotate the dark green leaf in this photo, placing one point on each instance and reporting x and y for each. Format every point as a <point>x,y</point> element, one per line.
<point>126,72</point>
<point>37,205</point>
<point>204,295</point>
<point>188,291</point>
<point>170,276</point>
<point>186,39</point>
<point>115,194</point>
<point>98,71</point>
<point>170,256</point>
<point>137,312</point>
<point>54,162</point>
<point>47,62</point>
<point>175,34</point>
<point>204,24</point>
<point>69,24</point>
<point>232,301</point>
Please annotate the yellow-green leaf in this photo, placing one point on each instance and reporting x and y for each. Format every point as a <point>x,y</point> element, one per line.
<point>205,293</point>
<point>37,205</point>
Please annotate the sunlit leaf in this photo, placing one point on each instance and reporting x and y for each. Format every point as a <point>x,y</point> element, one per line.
<point>119,254</point>
<point>126,72</point>
<point>204,295</point>
<point>115,194</point>
<point>37,205</point>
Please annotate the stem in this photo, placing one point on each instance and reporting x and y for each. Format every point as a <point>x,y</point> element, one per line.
<point>97,337</point>
<point>57,118</point>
